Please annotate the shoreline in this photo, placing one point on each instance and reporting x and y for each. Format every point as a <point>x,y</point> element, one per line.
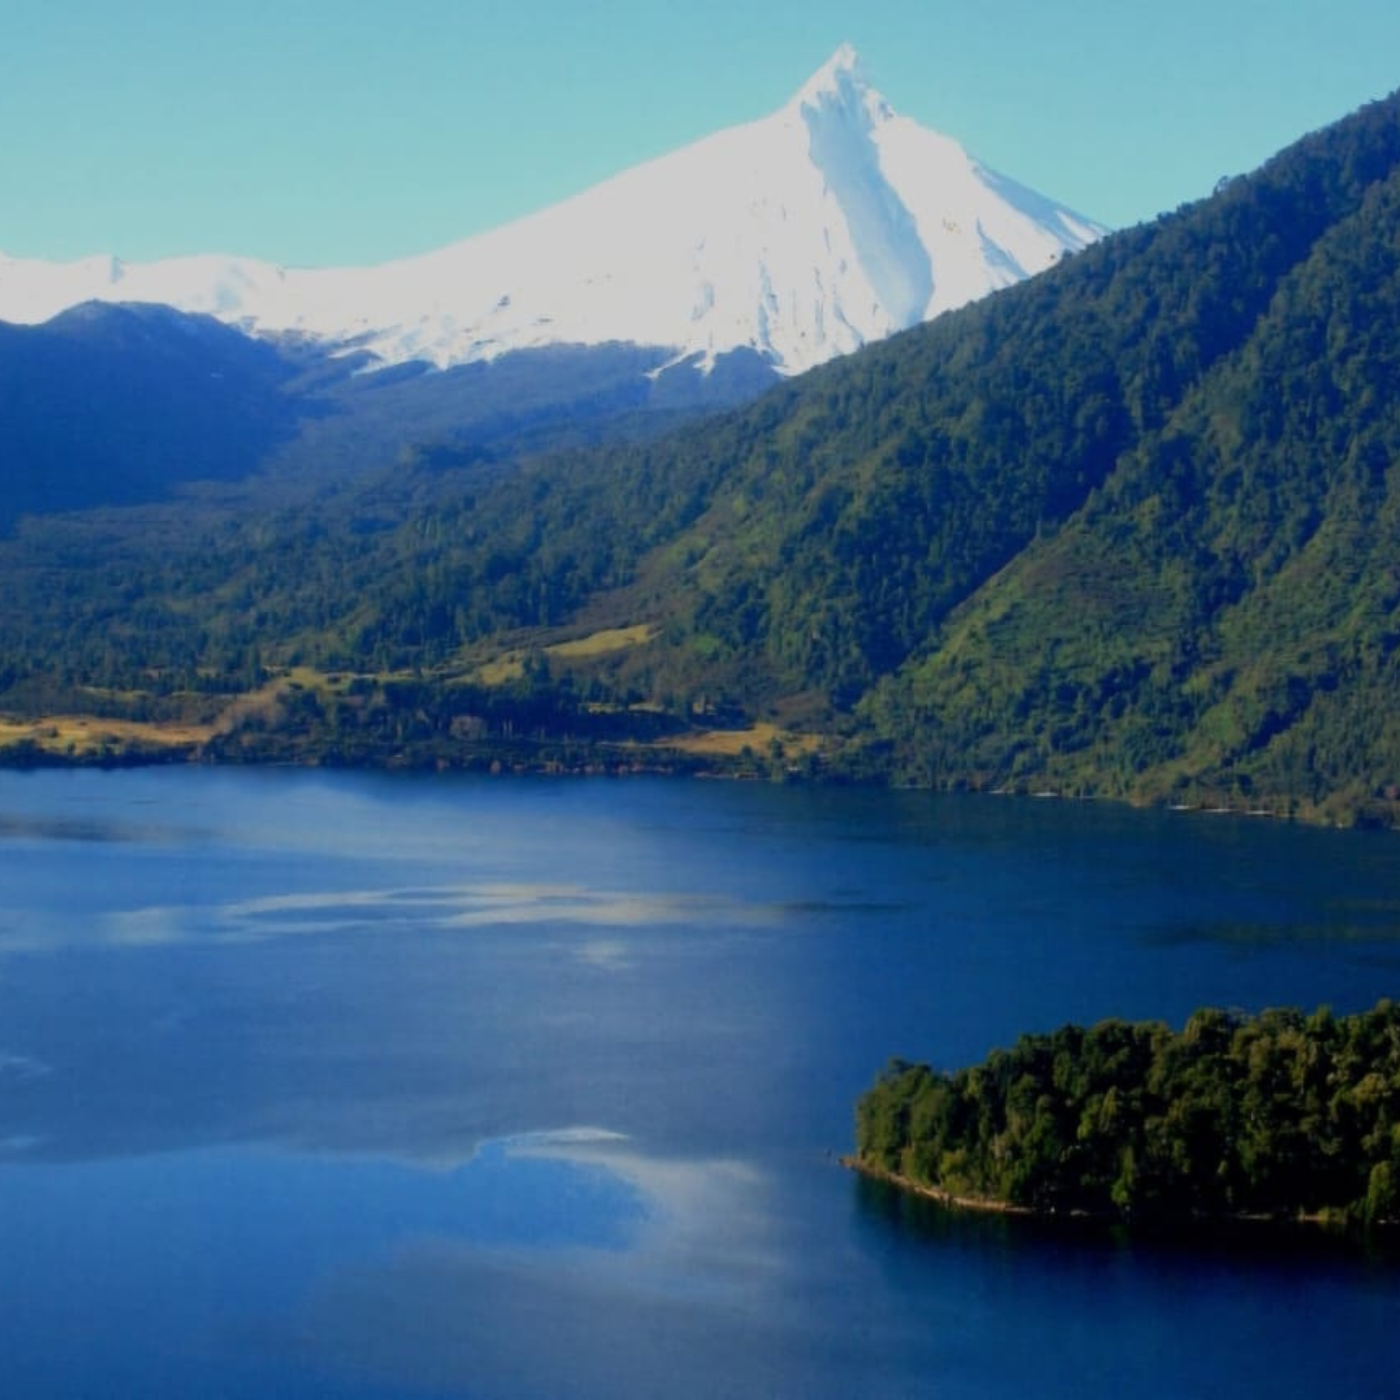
<point>983,1205</point>
<point>92,741</point>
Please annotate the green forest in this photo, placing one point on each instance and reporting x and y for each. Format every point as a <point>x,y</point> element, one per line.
<point>1280,1115</point>
<point>1127,530</point>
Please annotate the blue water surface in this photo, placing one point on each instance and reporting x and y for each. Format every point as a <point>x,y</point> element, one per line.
<point>390,1085</point>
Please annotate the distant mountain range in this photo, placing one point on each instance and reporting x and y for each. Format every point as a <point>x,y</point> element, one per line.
<point>793,239</point>
<point>118,404</point>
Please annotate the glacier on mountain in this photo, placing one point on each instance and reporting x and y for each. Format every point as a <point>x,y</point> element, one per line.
<point>805,235</point>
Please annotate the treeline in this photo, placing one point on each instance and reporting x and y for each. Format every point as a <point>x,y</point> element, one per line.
<point>1278,1115</point>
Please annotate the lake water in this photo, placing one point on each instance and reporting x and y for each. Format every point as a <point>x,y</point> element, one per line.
<point>379,1086</point>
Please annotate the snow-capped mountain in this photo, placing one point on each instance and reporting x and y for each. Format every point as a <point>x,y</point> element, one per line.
<point>805,235</point>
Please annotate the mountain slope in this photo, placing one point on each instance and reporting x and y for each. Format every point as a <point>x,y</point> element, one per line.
<point>799,237</point>
<point>1221,620</point>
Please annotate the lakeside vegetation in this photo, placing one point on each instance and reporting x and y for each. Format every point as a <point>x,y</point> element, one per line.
<point>510,714</point>
<point>1278,1116</point>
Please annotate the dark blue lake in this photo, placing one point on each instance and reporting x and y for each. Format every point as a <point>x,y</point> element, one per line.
<point>359,1085</point>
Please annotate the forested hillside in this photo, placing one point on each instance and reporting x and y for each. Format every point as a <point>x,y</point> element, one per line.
<point>1220,617</point>
<point>1123,529</point>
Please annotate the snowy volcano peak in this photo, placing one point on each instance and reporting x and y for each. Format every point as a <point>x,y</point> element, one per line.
<point>842,82</point>
<point>797,237</point>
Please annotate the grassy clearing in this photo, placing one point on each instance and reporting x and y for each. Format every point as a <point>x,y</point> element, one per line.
<point>509,665</point>
<point>610,639</point>
<point>77,735</point>
<point>758,739</point>
<point>83,736</point>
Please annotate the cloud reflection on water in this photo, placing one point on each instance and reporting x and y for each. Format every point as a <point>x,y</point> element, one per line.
<point>444,1312</point>
<point>88,829</point>
<point>338,912</point>
<point>22,1067</point>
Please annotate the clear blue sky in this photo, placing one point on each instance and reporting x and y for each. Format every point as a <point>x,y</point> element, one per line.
<point>319,132</point>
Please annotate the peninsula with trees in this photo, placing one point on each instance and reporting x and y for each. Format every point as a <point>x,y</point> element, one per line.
<point>1280,1116</point>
